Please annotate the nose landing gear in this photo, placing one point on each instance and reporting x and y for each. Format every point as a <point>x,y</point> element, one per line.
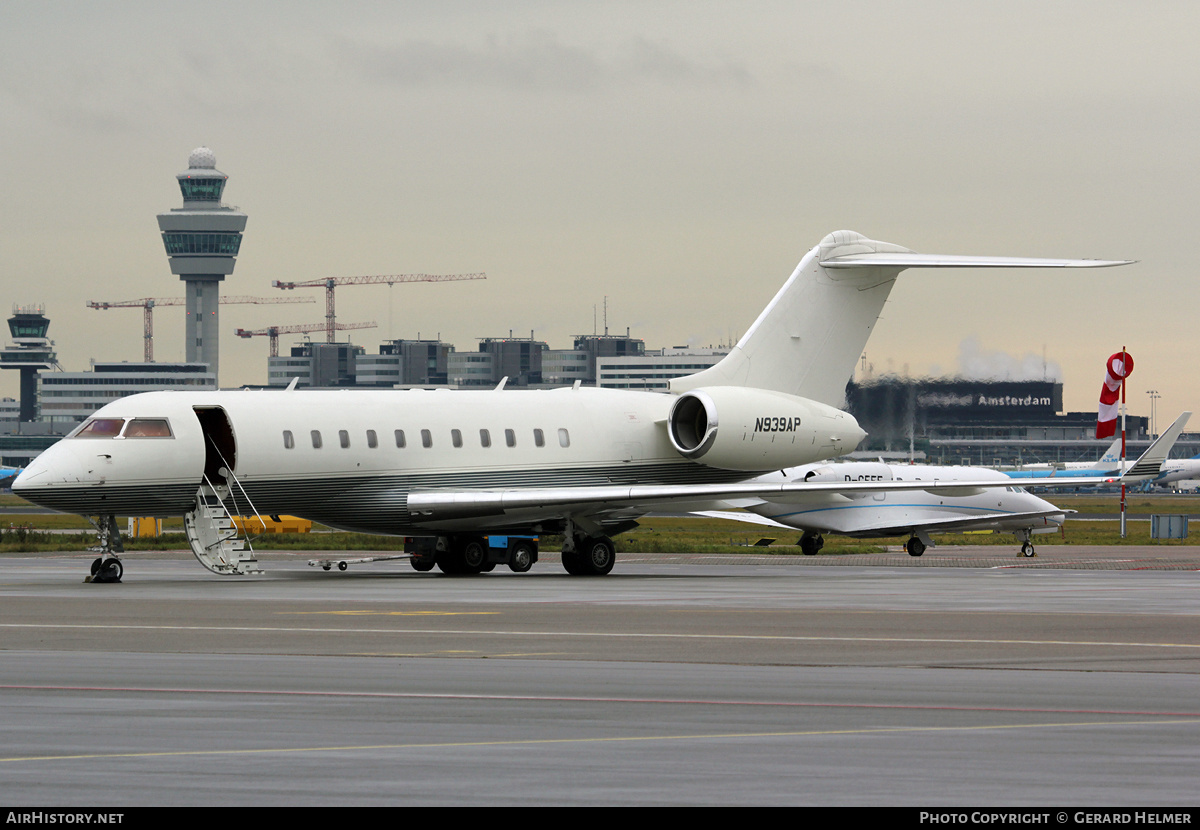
<point>107,568</point>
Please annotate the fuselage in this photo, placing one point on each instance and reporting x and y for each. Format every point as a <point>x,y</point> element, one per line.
<point>350,458</point>
<point>891,513</point>
<point>1183,469</point>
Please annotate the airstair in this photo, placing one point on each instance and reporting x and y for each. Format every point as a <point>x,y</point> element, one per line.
<point>214,537</point>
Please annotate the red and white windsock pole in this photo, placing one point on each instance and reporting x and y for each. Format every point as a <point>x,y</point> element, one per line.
<point>1118,368</point>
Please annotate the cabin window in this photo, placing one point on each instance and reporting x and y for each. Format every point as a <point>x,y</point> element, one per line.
<point>510,438</point>
<point>148,428</point>
<point>426,438</point>
<point>316,439</point>
<point>372,440</point>
<point>344,438</point>
<point>539,438</point>
<point>101,428</point>
<point>289,441</point>
<point>564,438</point>
<point>485,438</point>
<point>400,442</point>
<point>456,438</point>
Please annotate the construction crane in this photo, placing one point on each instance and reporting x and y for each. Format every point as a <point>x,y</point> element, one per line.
<point>329,283</point>
<point>147,305</point>
<point>273,332</point>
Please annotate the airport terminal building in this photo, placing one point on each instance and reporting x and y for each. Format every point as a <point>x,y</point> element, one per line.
<point>986,423</point>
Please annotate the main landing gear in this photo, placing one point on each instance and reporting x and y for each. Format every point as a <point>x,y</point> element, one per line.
<point>914,546</point>
<point>589,555</point>
<point>811,543</point>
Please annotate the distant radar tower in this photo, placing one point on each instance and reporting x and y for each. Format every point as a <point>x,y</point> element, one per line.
<point>202,240</point>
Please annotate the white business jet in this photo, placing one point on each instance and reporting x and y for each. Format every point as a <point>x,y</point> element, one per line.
<point>452,466</point>
<point>881,514</point>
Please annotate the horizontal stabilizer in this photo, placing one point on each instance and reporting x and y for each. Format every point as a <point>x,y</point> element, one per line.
<point>915,260</point>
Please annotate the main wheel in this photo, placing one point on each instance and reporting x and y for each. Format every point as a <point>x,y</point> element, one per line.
<point>522,557</point>
<point>572,562</point>
<point>599,555</point>
<point>1027,549</point>
<point>810,543</point>
<point>914,546</point>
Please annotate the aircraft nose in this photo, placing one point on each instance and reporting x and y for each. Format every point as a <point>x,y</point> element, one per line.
<point>51,472</point>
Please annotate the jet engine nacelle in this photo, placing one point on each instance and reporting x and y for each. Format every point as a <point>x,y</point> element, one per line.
<point>738,428</point>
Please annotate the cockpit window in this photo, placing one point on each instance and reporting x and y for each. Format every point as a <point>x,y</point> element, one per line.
<point>148,428</point>
<point>100,428</point>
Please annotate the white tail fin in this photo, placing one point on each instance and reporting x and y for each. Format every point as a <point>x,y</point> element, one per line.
<point>808,339</point>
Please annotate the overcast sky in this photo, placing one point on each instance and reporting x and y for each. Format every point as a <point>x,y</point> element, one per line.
<point>677,158</point>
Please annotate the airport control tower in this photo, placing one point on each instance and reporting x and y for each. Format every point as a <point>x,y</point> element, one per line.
<point>202,240</point>
<point>31,352</point>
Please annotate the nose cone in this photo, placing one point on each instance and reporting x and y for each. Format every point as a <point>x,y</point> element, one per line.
<point>52,473</point>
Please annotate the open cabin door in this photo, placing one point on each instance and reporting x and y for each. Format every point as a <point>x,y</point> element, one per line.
<point>220,448</point>
<point>211,529</point>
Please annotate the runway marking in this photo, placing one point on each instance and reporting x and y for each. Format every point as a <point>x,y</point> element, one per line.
<point>525,698</point>
<point>890,730</point>
<point>425,632</point>
<point>393,613</point>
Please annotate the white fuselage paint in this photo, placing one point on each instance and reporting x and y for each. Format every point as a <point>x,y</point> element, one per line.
<point>589,437</point>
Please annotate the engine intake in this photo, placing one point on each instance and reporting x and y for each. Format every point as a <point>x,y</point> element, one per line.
<point>736,428</point>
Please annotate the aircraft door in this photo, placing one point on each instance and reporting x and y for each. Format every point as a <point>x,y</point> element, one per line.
<point>220,447</point>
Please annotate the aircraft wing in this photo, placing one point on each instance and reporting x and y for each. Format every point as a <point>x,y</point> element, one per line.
<point>524,503</point>
<point>515,504</point>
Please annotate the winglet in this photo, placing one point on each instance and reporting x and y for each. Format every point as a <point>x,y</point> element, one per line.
<point>1150,463</point>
